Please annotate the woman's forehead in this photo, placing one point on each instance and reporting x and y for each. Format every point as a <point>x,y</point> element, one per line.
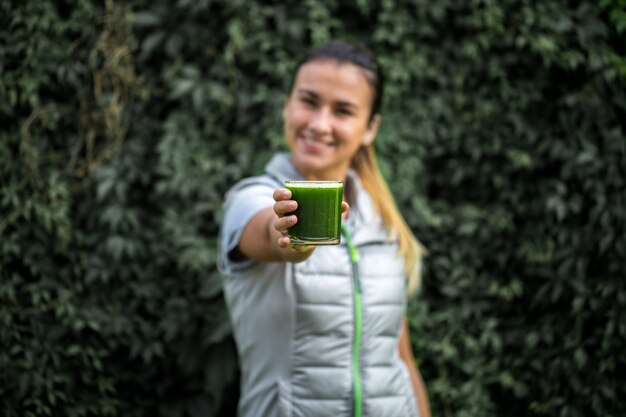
<point>334,78</point>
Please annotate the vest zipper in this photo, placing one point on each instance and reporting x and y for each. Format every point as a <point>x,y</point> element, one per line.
<point>358,318</point>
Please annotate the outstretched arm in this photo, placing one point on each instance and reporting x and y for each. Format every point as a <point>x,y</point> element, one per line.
<point>265,237</point>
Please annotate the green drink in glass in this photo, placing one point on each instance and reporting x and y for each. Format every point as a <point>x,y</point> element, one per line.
<point>318,213</point>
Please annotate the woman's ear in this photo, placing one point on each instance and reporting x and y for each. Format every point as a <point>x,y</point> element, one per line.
<point>372,130</point>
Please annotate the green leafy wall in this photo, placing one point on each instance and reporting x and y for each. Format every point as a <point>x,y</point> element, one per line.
<point>123,124</point>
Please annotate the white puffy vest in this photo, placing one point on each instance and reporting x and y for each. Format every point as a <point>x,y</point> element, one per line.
<point>344,350</point>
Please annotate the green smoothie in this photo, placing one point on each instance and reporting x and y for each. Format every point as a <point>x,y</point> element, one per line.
<point>319,212</point>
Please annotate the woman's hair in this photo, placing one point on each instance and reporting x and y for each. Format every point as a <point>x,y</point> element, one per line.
<point>364,162</point>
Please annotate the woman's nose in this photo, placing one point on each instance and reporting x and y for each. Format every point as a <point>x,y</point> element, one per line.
<point>321,121</point>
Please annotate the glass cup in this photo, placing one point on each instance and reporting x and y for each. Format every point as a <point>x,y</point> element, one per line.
<point>319,212</point>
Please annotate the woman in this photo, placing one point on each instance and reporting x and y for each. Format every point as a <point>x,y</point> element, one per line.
<point>321,331</point>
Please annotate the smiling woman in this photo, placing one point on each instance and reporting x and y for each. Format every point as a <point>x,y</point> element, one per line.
<point>321,330</point>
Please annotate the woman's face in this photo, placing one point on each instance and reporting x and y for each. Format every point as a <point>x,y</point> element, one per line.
<point>327,118</point>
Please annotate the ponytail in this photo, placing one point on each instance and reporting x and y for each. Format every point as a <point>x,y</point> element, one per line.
<point>364,163</point>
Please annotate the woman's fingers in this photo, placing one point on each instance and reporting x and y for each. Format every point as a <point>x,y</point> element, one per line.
<point>284,242</point>
<point>283,223</point>
<point>283,207</point>
<point>283,204</point>
<point>281,194</point>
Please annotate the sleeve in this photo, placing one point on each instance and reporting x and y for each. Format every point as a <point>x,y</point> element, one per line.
<point>240,206</point>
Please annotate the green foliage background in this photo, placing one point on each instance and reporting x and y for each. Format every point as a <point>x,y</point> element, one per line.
<point>123,124</point>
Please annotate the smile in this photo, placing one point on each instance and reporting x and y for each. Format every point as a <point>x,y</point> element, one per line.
<point>315,145</point>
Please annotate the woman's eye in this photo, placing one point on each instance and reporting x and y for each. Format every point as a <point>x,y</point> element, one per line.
<point>344,112</point>
<point>308,101</point>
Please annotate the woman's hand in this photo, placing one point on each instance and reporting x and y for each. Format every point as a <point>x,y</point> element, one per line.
<point>283,208</point>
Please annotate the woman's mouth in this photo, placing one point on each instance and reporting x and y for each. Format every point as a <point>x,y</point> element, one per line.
<point>315,145</point>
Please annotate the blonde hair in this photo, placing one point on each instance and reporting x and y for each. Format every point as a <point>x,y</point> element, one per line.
<point>366,166</point>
